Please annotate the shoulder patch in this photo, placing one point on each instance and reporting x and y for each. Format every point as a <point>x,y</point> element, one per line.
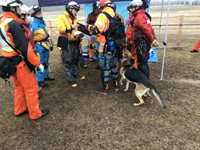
<point>148,21</point>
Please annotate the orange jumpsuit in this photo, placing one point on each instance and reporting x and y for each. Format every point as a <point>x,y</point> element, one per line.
<point>25,82</point>
<point>197,45</point>
<point>91,20</point>
<point>133,49</point>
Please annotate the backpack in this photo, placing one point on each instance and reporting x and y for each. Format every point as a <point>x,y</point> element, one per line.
<point>115,32</point>
<point>8,66</point>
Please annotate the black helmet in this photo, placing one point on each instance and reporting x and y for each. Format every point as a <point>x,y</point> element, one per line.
<point>95,5</point>
<point>34,10</point>
<point>113,6</point>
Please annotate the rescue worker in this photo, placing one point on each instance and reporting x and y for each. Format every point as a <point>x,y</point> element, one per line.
<point>17,35</point>
<point>26,14</point>
<point>92,17</point>
<point>131,43</point>
<point>43,44</point>
<point>26,17</point>
<point>67,25</point>
<point>106,61</point>
<point>143,34</point>
<point>196,47</point>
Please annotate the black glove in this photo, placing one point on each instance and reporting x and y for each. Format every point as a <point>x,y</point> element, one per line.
<point>83,29</point>
<point>51,48</point>
<point>91,47</point>
<point>96,53</point>
<point>129,47</point>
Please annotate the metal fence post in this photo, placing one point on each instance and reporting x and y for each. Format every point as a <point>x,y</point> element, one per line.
<point>180,31</point>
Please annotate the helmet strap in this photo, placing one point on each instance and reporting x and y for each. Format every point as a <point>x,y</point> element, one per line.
<point>24,17</point>
<point>140,7</point>
<point>15,12</point>
<point>70,12</point>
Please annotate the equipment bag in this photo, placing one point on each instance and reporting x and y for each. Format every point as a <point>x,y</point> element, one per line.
<point>8,66</point>
<point>115,32</point>
<point>63,42</point>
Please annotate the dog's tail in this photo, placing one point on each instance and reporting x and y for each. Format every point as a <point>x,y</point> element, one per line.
<point>157,95</point>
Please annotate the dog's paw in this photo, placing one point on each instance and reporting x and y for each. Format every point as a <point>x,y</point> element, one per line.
<point>125,90</point>
<point>135,104</point>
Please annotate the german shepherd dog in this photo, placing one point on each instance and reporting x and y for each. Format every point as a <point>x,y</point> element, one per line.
<point>132,75</point>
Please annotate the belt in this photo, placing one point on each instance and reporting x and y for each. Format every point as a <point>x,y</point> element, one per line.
<point>73,43</point>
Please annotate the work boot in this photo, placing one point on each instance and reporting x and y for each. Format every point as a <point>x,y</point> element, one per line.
<point>44,113</point>
<point>42,84</point>
<point>25,112</point>
<point>103,90</point>
<point>85,66</point>
<point>193,51</point>
<point>115,86</point>
<point>79,77</point>
<point>72,84</point>
<point>91,59</point>
<point>48,78</point>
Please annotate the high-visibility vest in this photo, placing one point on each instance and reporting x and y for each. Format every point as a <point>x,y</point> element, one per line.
<point>5,46</point>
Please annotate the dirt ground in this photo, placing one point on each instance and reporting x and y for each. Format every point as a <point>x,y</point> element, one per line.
<point>81,119</point>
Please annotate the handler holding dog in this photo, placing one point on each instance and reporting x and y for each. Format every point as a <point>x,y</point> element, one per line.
<point>143,34</point>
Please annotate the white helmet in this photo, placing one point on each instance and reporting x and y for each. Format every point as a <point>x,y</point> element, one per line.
<point>11,3</point>
<point>25,10</point>
<point>73,5</point>
<point>136,3</point>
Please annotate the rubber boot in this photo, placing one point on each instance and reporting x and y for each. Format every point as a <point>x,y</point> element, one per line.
<point>193,51</point>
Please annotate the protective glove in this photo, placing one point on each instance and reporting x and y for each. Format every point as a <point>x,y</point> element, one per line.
<point>40,69</point>
<point>154,43</point>
<point>51,48</point>
<point>129,47</point>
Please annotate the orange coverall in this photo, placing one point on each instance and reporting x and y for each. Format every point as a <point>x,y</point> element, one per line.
<point>91,20</point>
<point>25,82</point>
<point>197,46</point>
<point>133,49</point>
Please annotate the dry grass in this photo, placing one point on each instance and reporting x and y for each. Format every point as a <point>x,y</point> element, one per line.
<point>81,119</point>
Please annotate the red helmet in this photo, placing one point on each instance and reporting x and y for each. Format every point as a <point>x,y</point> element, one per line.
<point>103,3</point>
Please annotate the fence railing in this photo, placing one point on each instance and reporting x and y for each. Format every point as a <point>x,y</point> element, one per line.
<point>180,25</point>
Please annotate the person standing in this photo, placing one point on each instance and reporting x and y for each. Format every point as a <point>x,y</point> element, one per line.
<point>43,44</point>
<point>107,59</point>
<point>92,17</point>
<point>131,43</point>
<point>25,81</point>
<point>67,25</point>
<point>143,34</point>
<point>26,17</point>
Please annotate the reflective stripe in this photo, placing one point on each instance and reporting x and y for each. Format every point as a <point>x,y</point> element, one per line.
<point>101,24</point>
<point>5,46</point>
